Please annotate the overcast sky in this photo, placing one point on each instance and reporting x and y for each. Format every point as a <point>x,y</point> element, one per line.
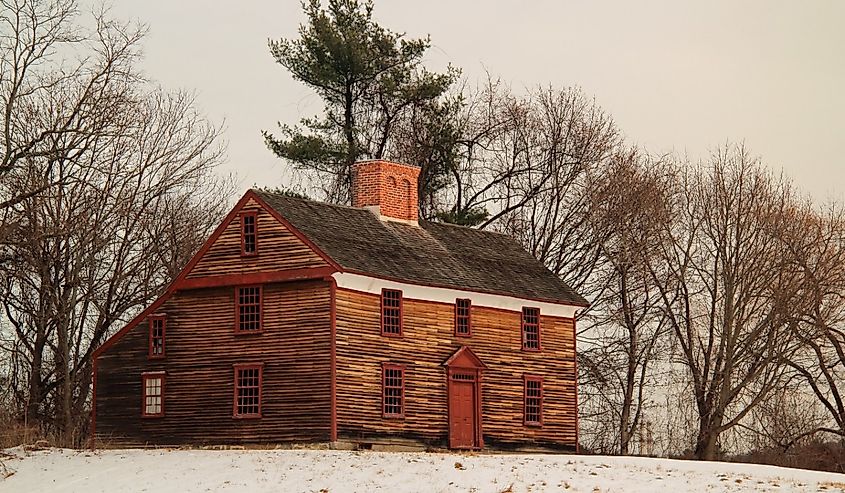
<point>676,76</point>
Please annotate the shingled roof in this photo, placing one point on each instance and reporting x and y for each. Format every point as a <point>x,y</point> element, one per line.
<point>432,254</point>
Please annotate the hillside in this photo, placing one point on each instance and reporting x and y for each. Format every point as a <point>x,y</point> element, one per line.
<point>180,471</point>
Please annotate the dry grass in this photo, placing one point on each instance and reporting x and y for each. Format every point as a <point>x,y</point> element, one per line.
<point>832,486</point>
<point>819,456</point>
<point>14,434</point>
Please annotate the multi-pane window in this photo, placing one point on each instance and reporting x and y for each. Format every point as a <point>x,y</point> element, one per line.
<point>153,386</point>
<point>248,310</point>
<point>391,312</point>
<point>248,391</point>
<point>462,317</point>
<point>249,234</point>
<point>531,329</point>
<point>158,324</point>
<point>533,400</point>
<point>393,391</point>
<point>463,377</point>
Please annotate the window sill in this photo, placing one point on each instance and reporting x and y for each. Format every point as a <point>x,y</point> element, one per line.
<point>395,417</point>
<point>152,416</point>
<point>391,334</point>
<point>246,416</point>
<point>156,357</point>
<point>532,350</point>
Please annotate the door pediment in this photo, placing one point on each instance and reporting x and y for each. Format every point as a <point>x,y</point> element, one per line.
<point>465,358</point>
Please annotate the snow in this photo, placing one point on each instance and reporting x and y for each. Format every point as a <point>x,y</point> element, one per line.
<point>160,471</point>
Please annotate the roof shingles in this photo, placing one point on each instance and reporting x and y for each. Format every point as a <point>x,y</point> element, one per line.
<point>433,254</point>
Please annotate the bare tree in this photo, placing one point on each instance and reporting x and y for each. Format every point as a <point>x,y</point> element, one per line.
<point>728,288</point>
<point>788,416</point>
<point>89,253</point>
<point>533,178</point>
<point>487,153</point>
<point>108,186</point>
<point>58,84</point>
<point>625,329</point>
<point>816,240</point>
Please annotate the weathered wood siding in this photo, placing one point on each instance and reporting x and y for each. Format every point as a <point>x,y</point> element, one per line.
<point>427,342</point>
<point>201,348</point>
<point>278,248</point>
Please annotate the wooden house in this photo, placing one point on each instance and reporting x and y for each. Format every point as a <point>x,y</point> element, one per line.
<point>300,321</point>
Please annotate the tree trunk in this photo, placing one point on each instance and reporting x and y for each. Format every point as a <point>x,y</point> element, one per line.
<point>65,417</point>
<point>625,429</point>
<point>349,135</point>
<point>35,390</point>
<point>708,436</point>
<point>705,448</point>
<point>624,435</point>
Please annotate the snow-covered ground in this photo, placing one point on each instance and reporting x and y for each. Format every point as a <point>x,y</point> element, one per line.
<point>292,471</point>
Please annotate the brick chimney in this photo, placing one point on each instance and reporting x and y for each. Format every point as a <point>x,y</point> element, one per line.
<point>387,189</point>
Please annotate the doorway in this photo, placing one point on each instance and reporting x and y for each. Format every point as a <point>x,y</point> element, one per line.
<point>463,373</point>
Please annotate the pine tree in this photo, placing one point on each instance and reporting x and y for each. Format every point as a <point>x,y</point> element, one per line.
<point>370,80</point>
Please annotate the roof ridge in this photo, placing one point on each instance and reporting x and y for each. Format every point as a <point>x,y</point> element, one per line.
<point>439,223</point>
<point>344,206</point>
<point>303,199</point>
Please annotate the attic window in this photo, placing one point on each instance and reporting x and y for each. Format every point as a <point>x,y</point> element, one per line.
<point>531,329</point>
<point>249,234</point>
<point>391,312</point>
<point>393,391</point>
<point>248,380</point>
<point>248,309</point>
<point>462,317</point>
<point>533,400</point>
<point>158,324</point>
<point>153,387</point>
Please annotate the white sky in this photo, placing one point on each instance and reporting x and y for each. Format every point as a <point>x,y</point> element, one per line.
<point>679,76</point>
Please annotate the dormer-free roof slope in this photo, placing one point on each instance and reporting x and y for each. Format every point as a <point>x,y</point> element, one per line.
<point>430,254</point>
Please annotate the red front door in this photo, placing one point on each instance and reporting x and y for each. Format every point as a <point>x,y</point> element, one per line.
<point>463,375</point>
<point>462,413</point>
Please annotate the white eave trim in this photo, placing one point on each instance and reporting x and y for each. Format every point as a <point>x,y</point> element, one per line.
<point>374,285</point>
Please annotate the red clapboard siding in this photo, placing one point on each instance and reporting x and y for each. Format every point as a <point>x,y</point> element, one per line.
<point>201,351</point>
<point>278,248</point>
<point>427,341</point>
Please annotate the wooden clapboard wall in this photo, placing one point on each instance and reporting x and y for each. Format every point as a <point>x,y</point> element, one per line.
<point>429,340</point>
<point>278,248</point>
<point>201,348</point>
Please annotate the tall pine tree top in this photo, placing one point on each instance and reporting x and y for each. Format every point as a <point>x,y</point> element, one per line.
<point>370,80</point>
